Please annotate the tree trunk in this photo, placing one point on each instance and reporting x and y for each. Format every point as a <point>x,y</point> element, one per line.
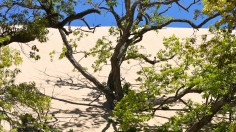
<point>114,82</point>
<point>114,79</point>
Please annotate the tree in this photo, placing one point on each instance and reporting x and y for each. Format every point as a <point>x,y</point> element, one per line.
<point>137,18</point>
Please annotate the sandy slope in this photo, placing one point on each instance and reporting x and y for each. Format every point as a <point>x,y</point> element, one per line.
<point>77,113</point>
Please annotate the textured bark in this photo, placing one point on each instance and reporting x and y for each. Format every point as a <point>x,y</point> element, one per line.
<point>114,81</point>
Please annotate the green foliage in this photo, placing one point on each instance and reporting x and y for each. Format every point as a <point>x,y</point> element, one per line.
<point>63,53</point>
<point>225,7</point>
<point>114,31</point>
<point>112,3</point>
<point>208,66</point>
<point>128,112</point>
<point>37,29</point>
<point>32,18</point>
<point>28,97</point>
<point>22,105</point>
<point>102,51</point>
<point>133,52</point>
<point>33,53</point>
<point>4,39</point>
<point>66,6</point>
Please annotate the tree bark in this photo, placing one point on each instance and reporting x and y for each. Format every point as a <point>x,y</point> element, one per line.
<point>114,79</point>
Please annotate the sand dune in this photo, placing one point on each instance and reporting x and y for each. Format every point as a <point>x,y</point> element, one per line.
<point>72,105</point>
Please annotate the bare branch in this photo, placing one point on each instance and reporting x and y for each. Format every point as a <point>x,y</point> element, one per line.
<point>187,8</point>
<point>77,16</point>
<point>90,28</point>
<point>165,10</point>
<point>86,23</point>
<point>193,25</point>
<point>146,59</point>
<point>69,55</point>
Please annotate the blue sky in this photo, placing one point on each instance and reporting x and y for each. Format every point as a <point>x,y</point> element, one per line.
<point>106,19</point>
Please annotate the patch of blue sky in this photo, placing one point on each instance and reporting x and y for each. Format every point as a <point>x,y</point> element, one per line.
<point>106,18</point>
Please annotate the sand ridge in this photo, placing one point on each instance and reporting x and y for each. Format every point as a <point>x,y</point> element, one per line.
<point>74,105</point>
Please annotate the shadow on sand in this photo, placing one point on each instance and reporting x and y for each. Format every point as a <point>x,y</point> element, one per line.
<point>89,112</point>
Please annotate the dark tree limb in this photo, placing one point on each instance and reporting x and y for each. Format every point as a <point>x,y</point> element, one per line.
<point>193,25</point>
<point>206,119</point>
<point>215,107</point>
<point>117,17</point>
<point>90,28</point>
<point>69,54</point>
<point>174,98</point>
<point>150,61</point>
<point>187,8</point>
<point>77,16</point>
<point>164,11</point>
<point>139,35</point>
<point>17,37</point>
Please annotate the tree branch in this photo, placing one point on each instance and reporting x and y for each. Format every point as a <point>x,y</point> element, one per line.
<point>216,106</point>
<point>77,16</point>
<point>164,11</point>
<point>174,98</point>
<point>69,55</point>
<point>206,119</point>
<point>187,8</point>
<point>117,17</point>
<point>90,28</point>
<point>193,25</point>
<point>146,59</point>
